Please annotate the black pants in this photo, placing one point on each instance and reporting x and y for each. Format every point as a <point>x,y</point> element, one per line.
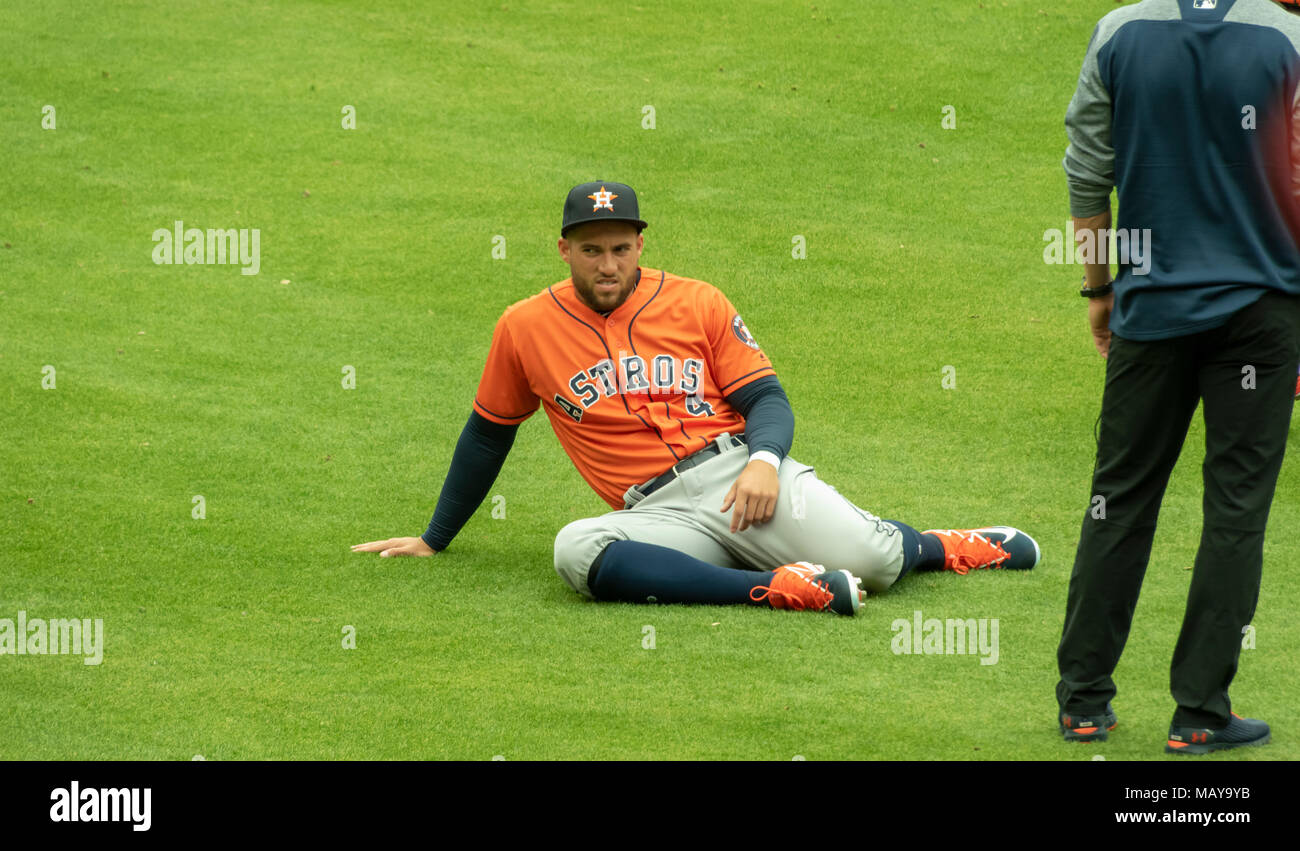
<point>1245,371</point>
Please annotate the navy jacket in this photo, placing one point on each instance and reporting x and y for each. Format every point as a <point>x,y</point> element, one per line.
<point>1188,108</point>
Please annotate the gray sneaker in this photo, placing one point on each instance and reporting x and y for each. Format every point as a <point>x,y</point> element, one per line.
<point>1087,728</point>
<point>1240,733</point>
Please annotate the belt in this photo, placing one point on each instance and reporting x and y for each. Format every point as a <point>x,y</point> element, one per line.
<point>695,459</point>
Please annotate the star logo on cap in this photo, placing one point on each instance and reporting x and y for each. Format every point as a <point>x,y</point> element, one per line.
<point>604,199</point>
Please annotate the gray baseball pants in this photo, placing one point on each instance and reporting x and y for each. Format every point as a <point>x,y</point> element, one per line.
<point>812,522</point>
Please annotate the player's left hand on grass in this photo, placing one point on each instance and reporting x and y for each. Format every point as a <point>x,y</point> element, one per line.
<point>754,495</point>
<point>395,547</point>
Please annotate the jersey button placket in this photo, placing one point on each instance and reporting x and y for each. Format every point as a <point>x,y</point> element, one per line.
<point>615,345</point>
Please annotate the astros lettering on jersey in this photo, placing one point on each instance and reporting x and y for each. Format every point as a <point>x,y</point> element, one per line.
<point>628,394</point>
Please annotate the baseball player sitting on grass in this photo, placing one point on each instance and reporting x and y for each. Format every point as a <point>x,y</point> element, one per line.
<point>672,413</point>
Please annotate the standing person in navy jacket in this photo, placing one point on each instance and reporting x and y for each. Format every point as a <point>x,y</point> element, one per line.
<point>1188,108</point>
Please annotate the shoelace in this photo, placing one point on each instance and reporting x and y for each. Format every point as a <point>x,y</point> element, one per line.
<point>790,600</point>
<point>962,561</point>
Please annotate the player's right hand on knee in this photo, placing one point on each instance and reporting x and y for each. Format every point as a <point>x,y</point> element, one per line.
<point>395,547</point>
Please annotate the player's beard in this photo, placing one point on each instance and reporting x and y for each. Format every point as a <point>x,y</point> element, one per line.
<point>604,299</point>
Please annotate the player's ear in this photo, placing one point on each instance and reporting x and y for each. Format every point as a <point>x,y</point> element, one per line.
<point>563,245</point>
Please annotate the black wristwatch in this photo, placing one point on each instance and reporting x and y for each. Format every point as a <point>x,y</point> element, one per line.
<point>1096,292</point>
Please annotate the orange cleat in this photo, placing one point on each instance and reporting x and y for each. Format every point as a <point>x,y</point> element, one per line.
<point>996,547</point>
<point>803,585</point>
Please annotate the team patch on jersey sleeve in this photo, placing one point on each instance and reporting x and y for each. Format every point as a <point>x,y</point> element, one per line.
<point>742,333</point>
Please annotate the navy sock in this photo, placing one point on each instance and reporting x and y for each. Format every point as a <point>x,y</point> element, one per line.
<point>920,551</point>
<point>633,572</point>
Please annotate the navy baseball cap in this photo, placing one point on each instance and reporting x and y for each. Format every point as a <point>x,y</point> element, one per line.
<point>600,201</point>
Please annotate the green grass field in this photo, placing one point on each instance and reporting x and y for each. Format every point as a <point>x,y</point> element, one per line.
<point>224,635</point>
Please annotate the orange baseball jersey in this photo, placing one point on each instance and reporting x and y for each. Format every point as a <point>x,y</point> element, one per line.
<point>630,394</point>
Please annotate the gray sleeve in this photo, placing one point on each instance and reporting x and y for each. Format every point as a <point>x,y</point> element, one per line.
<point>1090,158</point>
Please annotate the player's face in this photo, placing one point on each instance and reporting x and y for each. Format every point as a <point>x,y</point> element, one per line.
<point>603,258</point>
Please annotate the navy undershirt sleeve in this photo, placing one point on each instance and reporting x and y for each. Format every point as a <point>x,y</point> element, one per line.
<point>769,420</point>
<point>480,452</point>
